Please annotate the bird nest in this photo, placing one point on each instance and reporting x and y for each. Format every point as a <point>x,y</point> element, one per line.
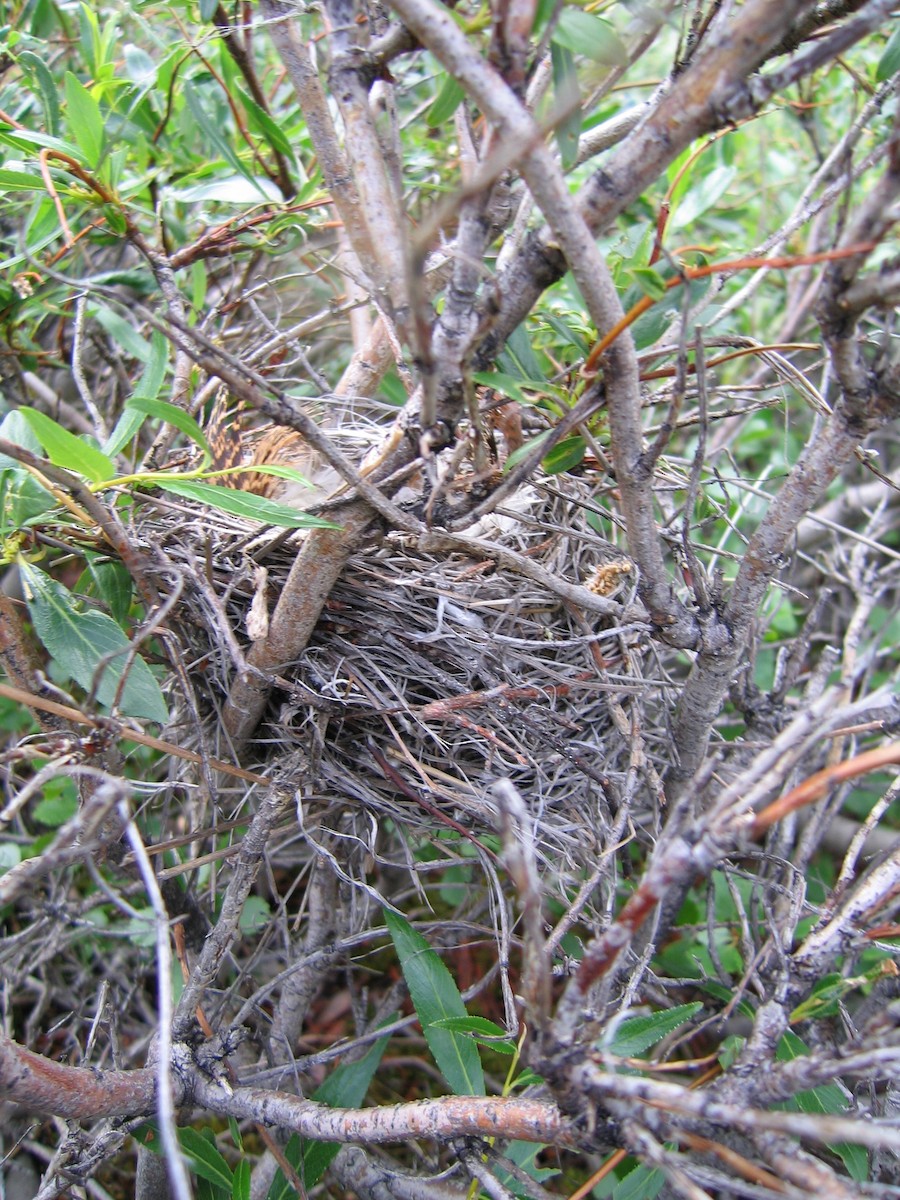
<point>430,676</point>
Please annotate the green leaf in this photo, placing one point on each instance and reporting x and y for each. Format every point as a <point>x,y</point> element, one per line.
<point>14,428</point>
<point>435,996</point>
<point>83,643</point>
<point>702,195</point>
<point>643,1183</point>
<point>240,1189</point>
<point>265,126</point>
<point>345,1087</point>
<point>126,429</point>
<point>139,66</point>
<point>652,325</point>
<point>154,372</point>
<point>889,63</point>
<point>854,1158</point>
<point>826,1098</point>
<point>650,282</point>
<point>484,1032</point>
<point>85,121</point>
<point>125,334</point>
<point>243,504</point>
<point>565,455</point>
<point>163,411</point>
<point>136,278</point>
<point>506,385</point>
<point>26,140</point>
<point>64,449</point>
<point>213,136</point>
<point>520,355</point>
<point>111,582</point>
<point>280,471</point>
<point>35,66</point>
<point>634,1036</point>
<point>206,1161</point>
<point>235,1131</point>
<point>22,501</point>
<point>445,103</point>
<point>568,101</point>
<point>586,34</point>
<point>525,450</point>
<point>10,856</point>
<point>20,181</point>
<point>228,189</point>
<point>524,1155</point>
<point>567,333</point>
<point>199,283</point>
<point>60,803</point>
<point>254,916</point>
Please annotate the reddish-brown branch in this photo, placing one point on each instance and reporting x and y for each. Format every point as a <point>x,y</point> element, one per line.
<point>818,785</point>
<point>79,1093</point>
<point>68,713</point>
<point>724,268</point>
<point>75,1093</point>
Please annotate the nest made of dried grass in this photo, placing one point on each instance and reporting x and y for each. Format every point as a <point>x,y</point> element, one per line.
<point>431,676</point>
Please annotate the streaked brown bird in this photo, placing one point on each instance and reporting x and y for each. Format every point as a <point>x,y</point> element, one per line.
<point>276,445</point>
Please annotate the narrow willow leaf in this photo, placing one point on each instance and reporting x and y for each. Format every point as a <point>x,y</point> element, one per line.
<point>265,126</point>
<point>827,1098</point>
<point>589,35</point>
<point>126,429</point>
<point>64,449</point>
<point>643,1183</point>
<point>568,103</point>
<point>85,120</point>
<point>139,66</point>
<point>240,1189</point>
<point>435,996</point>
<point>138,280</point>
<point>634,1036</point>
<point>567,333</point>
<point>25,140</point>
<point>124,333</point>
<point>486,1033</point>
<point>703,193</point>
<point>650,282</point>
<point>163,411</point>
<point>244,504</point>
<point>565,455</point>
<point>20,181</point>
<point>213,135</point>
<point>889,63</point>
<point>111,582</point>
<point>85,642</point>
<point>280,471</point>
<point>445,103</point>
<point>520,352</point>
<point>206,1161</point>
<point>229,189</point>
<point>36,66</point>
<point>506,385</point>
<point>525,450</point>
<point>345,1087</point>
<point>154,372</point>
